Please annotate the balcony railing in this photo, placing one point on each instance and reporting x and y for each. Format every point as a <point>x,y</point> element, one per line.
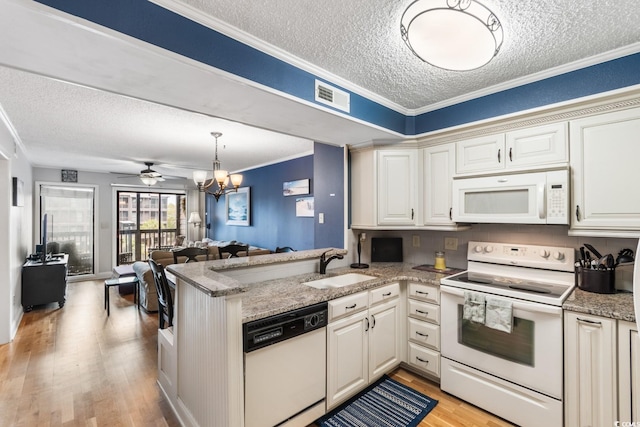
<point>136,245</point>
<point>79,246</point>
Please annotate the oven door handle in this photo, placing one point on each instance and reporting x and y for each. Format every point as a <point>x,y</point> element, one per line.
<point>517,304</point>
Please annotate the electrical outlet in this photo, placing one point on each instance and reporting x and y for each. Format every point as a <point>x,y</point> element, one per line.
<point>321,218</point>
<point>451,243</point>
<point>416,241</point>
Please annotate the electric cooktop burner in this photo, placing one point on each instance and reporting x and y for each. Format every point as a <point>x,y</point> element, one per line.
<point>512,283</point>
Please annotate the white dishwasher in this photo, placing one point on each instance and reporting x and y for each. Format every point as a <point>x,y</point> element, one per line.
<point>285,366</point>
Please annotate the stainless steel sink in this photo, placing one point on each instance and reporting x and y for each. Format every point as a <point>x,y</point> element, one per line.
<point>339,281</point>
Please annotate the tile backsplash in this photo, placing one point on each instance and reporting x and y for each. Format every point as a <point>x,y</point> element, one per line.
<point>432,241</point>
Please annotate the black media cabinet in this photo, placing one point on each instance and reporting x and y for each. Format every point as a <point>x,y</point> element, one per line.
<point>44,283</point>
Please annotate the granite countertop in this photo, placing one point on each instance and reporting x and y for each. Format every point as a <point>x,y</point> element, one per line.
<point>277,296</point>
<point>615,306</point>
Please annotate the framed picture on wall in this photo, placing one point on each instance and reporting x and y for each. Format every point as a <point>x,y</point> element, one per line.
<point>294,188</point>
<point>304,206</point>
<point>18,192</point>
<point>238,207</point>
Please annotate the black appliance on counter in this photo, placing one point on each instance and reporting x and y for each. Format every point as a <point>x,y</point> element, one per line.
<point>386,249</point>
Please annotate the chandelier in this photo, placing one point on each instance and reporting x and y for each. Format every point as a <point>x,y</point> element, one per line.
<point>457,35</point>
<point>220,177</point>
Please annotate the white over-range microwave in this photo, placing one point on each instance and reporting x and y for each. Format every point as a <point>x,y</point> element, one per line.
<point>521,198</point>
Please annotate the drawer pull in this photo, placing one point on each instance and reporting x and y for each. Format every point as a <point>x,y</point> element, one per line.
<point>387,294</point>
<point>422,360</point>
<point>349,307</point>
<point>421,292</point>
<point>426,313</point>
<point>591,322</point>
<point>422,335</point>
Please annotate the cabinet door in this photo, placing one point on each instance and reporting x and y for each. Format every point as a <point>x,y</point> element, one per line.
<point>384,339</point>
<point>438,167</point>
<point>590,371</point>
<point>347,356</point>
<point>482,154</point>
<point>363,188</point>
<point>604,159</point>
<point>629,371</point>
<point>397,187</point>
<point>540,145</point>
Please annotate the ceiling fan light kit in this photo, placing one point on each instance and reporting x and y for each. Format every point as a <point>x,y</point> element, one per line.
<point>455,35</point>
<point>220,177</point>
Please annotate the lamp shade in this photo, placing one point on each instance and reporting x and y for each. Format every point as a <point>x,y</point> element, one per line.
<point>194,218</point>
<point>147,180</point>
<point>199,177</point>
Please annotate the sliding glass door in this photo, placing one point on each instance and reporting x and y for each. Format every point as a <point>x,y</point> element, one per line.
<point>71,224</point>
<point>148,221</point>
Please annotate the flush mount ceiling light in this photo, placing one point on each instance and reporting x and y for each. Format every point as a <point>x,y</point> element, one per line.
<point>457,35</point>
<point>220,176</point>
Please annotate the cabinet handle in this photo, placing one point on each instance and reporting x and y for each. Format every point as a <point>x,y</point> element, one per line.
<point>510,155</point>
<point>591,322</point>
<point>411,213</point>
<point>422,360</point>
<point>373,318</point>
<point>578,213</point>
<point>349,307</point>
<point>499,154</point>
<point>387,294</point>
<point>421,292</point>
<point>426,313</point>
<point>422,335</point>
<point>450,213</point>
<point>367,327</point>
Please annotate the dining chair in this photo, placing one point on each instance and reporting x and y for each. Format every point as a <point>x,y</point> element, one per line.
<point>232,250</point>
<point>190,253</point>
<point>165,300</point>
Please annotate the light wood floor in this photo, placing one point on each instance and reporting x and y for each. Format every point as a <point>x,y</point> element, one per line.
<point>77,367</point>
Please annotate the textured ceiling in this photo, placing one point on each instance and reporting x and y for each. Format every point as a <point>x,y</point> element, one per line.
<point>359,40</point>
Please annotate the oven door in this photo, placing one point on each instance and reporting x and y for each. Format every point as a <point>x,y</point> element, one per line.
<point>530,356</point>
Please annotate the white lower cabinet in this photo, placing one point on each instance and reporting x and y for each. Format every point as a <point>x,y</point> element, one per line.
<point>423,328</point>
<point>629,372</point>
<point>363,341</point>
<point>590,367</point>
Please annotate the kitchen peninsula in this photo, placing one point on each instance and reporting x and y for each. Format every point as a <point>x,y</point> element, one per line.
<point>200,367</point>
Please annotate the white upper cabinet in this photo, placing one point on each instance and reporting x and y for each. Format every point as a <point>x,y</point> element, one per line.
<point>397,187</point>
<point>481,154</point>
<point>605,151</point>
<point>439,163</point>
<point>538,146</point>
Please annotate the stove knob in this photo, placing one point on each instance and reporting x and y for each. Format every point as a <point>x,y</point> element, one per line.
<point>558,255</point>
<point>488,249</point>
<point>544,253</point>
<point>477,249</point>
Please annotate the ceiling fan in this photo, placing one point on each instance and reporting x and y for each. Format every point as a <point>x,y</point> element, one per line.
<point>148,176</point>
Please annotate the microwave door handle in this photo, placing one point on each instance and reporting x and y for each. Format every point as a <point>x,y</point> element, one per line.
<point>542,208</point>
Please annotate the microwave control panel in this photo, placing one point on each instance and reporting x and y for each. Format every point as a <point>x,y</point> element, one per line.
<point>557,197</point>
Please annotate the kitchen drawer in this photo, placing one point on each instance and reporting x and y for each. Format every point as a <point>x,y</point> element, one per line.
<point>424,333</point>
<point>428,293</point>
<point>423,311</point>
<point>424,359</point>
<point>348,305</point>
<point>384,293</point>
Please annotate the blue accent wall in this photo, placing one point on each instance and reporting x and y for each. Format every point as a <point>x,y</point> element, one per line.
<point>273,215</point>
<point>328,172</point>
<point>153,24</point>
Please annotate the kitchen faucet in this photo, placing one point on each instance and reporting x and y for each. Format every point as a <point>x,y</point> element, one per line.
<point>324,261</point>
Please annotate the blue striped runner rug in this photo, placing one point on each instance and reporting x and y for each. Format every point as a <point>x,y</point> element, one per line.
<point>386,403</point>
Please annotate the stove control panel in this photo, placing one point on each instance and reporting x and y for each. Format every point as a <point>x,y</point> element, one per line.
<point>549,257</point>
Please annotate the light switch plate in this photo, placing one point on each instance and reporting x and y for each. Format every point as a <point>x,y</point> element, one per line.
<point>451,243</point>
<point>321,218</point>
<point>416,241</point>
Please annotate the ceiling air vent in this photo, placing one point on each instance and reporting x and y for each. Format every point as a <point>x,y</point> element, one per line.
<point>332,96</point>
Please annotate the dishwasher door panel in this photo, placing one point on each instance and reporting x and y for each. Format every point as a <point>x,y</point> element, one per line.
<point>284,378</point>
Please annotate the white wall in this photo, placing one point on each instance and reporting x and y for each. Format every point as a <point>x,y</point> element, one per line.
<point>15,232</point>
<point>105,207</point>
